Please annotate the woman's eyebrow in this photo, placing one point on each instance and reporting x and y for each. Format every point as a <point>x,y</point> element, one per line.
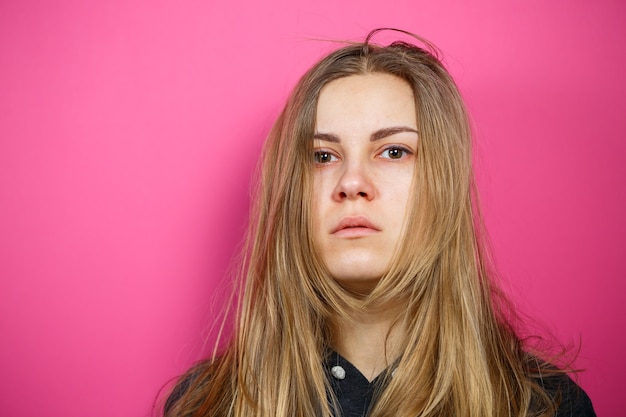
<point>379,134</point>
<point>327,137</point>
<point>388,131</point>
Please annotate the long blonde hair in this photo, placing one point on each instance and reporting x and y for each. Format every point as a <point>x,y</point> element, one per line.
<point>460,356</point>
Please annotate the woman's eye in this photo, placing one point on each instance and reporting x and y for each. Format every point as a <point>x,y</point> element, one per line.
<point>322,157</point>
<point>394,153</point>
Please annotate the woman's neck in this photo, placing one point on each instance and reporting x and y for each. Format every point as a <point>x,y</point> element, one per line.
<point>369,340</point>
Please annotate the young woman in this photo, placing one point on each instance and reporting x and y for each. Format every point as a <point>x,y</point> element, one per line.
<point>365,288</point>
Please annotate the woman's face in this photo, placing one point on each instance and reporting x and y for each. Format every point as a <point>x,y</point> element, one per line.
<point>365,148</point>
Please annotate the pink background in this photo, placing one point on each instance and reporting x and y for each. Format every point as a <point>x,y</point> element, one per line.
<point>129,130</point>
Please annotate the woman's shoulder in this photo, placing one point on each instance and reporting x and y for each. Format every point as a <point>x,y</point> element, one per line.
<point>570,398</point>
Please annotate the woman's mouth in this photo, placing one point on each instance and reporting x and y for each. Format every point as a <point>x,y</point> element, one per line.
<point>354,226</point>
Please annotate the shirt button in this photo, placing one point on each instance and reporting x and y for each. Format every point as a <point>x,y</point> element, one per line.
<point>338,372</point>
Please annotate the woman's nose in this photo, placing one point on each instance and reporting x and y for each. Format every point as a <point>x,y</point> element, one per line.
<point>355,182</point>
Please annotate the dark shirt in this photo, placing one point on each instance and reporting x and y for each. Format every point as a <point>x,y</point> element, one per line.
<point>354,392</point>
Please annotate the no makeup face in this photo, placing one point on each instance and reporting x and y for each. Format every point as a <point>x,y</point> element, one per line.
<point>365,148</point>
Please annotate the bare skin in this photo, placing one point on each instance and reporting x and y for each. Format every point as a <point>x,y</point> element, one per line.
<point>368,341</point>
<point>365,149</point>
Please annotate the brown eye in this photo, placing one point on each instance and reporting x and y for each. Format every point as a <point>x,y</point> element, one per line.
<point>322,157</point>
<point>394,153</point>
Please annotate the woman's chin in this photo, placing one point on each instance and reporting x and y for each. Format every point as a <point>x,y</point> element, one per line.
<point>358,285</point>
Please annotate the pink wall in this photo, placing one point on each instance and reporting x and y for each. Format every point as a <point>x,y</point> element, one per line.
<point>128,132</point>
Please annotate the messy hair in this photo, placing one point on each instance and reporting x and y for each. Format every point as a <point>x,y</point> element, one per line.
<point>459,356</point>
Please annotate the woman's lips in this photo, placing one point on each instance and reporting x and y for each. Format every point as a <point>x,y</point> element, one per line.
<point>357,226</point>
